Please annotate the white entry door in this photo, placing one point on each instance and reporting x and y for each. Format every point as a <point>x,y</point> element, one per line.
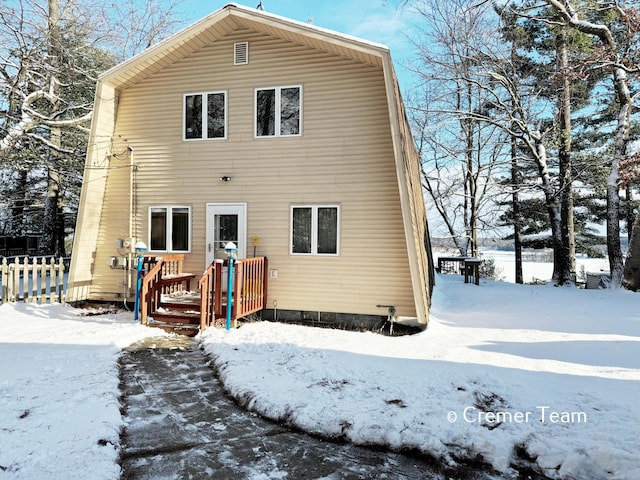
<point>226,222</point>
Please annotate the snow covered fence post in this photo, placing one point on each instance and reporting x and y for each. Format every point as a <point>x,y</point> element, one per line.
<point>5,280</point>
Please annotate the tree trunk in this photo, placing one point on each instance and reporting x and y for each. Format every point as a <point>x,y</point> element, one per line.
<point>517,234</point>
<point>468,193</point>
<point>18,218</point>
<point>567,257</point>
<point>48,244</point>
<point>632,266</point>
<point>50,229</point>
<point>629,216</point>
<point>613,183</point>
<point>613,234</point>
<point>552,207</point>
<point>471,187</point>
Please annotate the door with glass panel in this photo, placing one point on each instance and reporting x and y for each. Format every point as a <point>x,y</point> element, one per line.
<point>226,222</point>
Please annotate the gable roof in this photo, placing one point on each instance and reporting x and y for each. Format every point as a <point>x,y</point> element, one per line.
<point>234,17</point>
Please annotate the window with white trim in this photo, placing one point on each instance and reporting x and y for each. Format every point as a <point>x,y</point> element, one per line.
<point>315,229</point>
<point>278,111</point>
<point>170,229</point>
<point>205,116</point>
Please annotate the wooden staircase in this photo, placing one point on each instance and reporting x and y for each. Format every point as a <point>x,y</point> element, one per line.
<point>167,301</point>
<point>178,313</point>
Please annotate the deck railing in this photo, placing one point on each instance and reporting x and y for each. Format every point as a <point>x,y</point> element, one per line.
<point>249,293</point>
<point>37,280</point>
<point>251,286</point>
<point>249,290</point>
<point>155,281</point>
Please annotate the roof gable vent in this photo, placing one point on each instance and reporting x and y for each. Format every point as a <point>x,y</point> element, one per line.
<point>241,53</point>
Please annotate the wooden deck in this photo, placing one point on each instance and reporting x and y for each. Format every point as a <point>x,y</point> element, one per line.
<point>469,267</point>
<point>168,302</point>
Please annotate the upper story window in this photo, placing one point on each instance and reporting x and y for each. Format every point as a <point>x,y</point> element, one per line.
<point>278,111</point>
<point>205,115</point>
<point>170,229</point>
<point>315,229</point>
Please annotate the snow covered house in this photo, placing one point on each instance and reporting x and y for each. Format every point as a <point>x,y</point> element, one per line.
<point>289,139</point>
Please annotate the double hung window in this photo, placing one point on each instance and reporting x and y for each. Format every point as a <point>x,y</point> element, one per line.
<point>315,229</point>
<point>278,111</point>
<point>205,115</point>
<point>170,229</point>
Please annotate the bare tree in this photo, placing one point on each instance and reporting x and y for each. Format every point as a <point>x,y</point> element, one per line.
<point>30,82</point>
<point>461,153</point>
<point>128,27</point>
<point>505,97</point>
<point>51,52</point>
<point>42,77</point>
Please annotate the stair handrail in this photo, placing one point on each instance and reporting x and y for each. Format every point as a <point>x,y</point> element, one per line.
<point>210,295</point>
<point>151,289</point>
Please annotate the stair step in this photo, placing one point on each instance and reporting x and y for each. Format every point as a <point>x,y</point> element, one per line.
<point>180,306</point>
<point>173,317</point>
<point>188,330</point>
<point>176,321</point>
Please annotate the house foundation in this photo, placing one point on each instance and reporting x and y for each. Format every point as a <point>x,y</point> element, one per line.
<point>340,321</point>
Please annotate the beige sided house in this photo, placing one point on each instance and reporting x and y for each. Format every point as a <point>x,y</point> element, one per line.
<point>286,138</point>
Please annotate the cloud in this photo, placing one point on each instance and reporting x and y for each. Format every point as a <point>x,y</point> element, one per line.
<point>369,20</point>
<point>379,25</point>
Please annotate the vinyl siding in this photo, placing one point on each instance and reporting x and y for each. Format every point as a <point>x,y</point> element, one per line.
<point>344,156</point>
<point>82,282</point>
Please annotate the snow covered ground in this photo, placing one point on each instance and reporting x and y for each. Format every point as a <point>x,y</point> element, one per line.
<point>59,399</point>
<point>513,373</point>
<point>516,374</point>
<point>532,271</point>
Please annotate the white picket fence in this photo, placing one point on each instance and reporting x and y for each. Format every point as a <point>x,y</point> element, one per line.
<point>35,280</point>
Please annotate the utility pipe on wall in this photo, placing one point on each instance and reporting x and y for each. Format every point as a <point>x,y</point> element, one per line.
<point>132,170</point>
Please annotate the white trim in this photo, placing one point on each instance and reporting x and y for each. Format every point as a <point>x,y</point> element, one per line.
<point>239,208</point>
<point>205,117</point>
<point>169,228</point>
<point>278,101</point>
<point>314,229</point>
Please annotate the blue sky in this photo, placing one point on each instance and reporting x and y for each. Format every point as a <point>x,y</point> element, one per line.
<point>374,20</point>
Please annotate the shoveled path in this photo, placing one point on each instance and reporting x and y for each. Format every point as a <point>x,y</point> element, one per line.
<point>180,424</point>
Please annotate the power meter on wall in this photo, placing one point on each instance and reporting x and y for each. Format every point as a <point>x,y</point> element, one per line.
<point>118,262</point>
<point>125,244</point>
